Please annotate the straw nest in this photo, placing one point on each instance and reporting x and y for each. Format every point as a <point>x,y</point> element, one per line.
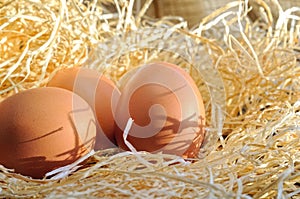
<point>258,153</point>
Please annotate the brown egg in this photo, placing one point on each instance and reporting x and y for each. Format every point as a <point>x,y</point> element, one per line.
<point>44,128</point>
<point>167,110</point>
<point>100,92</point>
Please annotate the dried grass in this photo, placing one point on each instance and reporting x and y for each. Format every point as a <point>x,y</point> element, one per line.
<point>258,153</point>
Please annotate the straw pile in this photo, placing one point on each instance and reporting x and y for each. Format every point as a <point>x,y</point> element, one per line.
<point>258,153</point>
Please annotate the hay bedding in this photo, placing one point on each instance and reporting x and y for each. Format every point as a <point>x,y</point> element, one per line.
<point>257,155</point>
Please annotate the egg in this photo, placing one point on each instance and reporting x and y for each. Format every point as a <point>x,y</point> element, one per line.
<point>42,129</point>
<point>167,109</point>
<point>100,92</point>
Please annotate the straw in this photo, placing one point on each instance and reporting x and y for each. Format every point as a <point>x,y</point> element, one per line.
<point>257,155</point>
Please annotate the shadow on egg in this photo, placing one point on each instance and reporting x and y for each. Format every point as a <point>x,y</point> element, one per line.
<point>37,166</point>
<point>47,134</point>
<point>172,138</point>
<point>102,140</point>
<point>66,149</point>
<point>43,129</point>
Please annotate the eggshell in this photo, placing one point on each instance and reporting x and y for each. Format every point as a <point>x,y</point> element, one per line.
<point>44,128</point>
<point>167,109</point>
<point>99,92</point>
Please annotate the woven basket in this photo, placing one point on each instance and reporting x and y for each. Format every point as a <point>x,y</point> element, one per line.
<point>191,10</point>
<point>194,10</point>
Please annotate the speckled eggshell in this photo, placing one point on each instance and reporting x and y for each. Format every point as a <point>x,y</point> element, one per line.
<point>42,129</point>
<point>167,109</point>
<point>100,92</point>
